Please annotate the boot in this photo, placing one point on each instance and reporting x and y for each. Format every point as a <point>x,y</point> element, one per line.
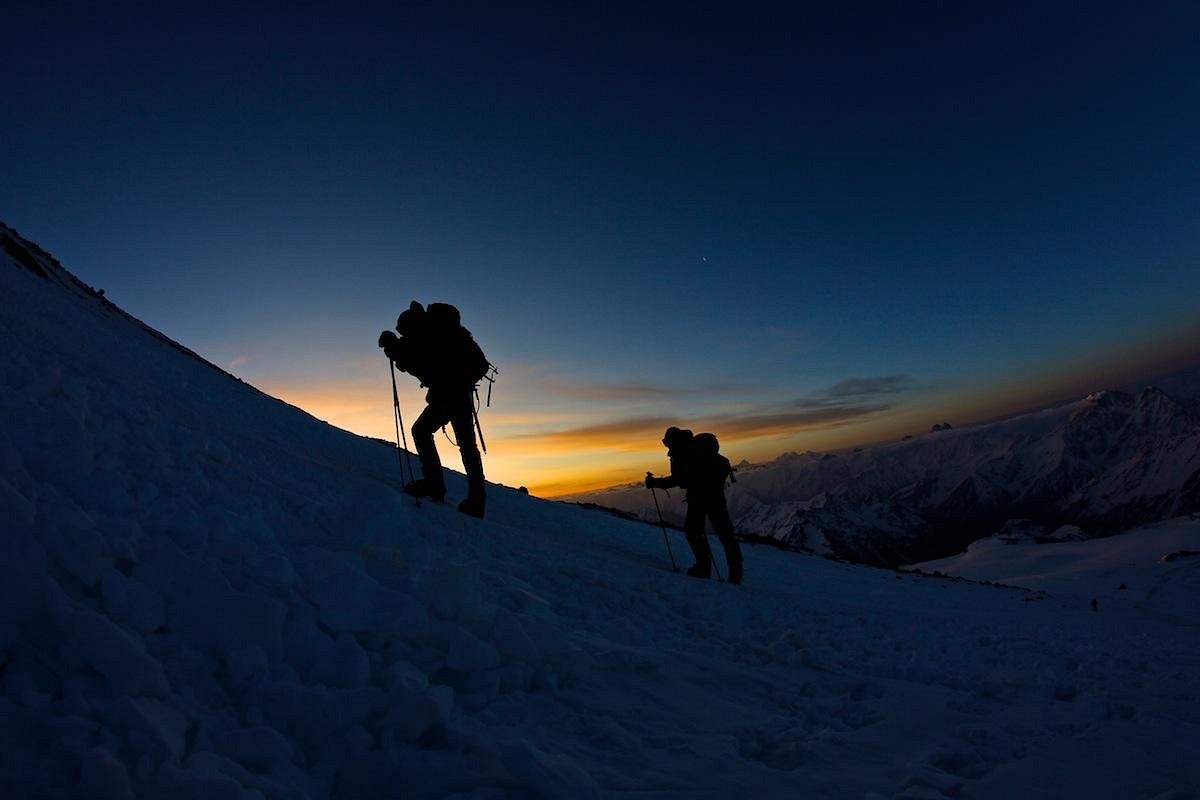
<point>473,506</point>
<point>700,549</point>
<point>423,487</point>
<point>476,488</point>
<point>735,572</point>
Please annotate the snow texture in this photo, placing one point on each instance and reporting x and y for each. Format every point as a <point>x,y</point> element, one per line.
<point>206,593</point>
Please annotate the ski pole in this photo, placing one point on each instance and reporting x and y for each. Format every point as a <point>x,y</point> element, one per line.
<point>400,434</point>
<point>395,419</point>
<point>713,558</point>
<point>662,524</point>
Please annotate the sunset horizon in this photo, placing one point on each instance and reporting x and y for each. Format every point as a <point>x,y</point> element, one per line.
<point>545,459</point>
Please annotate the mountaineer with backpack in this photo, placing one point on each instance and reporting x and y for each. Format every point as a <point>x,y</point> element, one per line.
<point>437,350</point>
<point>698,467</point>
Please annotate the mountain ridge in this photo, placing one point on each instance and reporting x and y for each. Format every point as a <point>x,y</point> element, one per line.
<point>1105,463</point>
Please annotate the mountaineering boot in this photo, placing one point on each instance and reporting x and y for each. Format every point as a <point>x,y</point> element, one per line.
<point>473,506</point>
<point>476,488</point>
<point>423,487</point>
<point>700,549</point>
<point>735,572</point>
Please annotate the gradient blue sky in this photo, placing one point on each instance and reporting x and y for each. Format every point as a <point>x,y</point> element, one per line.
<point>800,226</point>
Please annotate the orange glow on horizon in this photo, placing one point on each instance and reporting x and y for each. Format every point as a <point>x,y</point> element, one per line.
<point>562,451</point>
<point>560,461</point>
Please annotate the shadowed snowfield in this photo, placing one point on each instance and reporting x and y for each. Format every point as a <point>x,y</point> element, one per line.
<point>205,592</point>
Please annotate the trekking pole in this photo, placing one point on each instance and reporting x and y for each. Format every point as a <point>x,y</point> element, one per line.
<point>398,418</point>
<point>662,525</point>
<point>713,558</point>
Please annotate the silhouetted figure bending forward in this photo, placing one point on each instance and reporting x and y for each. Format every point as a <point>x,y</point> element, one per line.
<point>437,350</point>
<point>698,467</point>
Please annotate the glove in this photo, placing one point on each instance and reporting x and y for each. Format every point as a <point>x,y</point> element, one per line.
<point>653,482</point>
<point>398,349</point>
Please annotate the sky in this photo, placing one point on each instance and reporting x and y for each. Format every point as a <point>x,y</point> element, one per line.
<point>797,226</point>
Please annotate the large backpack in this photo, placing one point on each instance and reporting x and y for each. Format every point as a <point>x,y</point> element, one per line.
<point>444,326</point>
<point>679,454</point>
<point>443,316</point>
<point>708,469</point>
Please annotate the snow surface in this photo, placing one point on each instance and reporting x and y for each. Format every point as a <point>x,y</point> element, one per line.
<point>206,593</point>
<point>1155,569</point>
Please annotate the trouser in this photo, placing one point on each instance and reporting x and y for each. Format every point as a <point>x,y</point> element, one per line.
<point>700,507</point>
<point>460,414</point>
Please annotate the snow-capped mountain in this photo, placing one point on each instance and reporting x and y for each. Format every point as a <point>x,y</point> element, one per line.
<point>1106,463</point>
<point>207,593</point>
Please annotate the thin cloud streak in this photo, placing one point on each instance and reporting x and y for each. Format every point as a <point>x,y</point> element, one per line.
<point>568,483</point>
<point>634,432</point>
<point>869,387</point>
<point>628,391</point>
<point>634,391</point>
<point>847,402</point>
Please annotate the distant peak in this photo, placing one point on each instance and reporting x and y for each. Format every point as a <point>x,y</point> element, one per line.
<point>1109,398</point>
<point>1152,395</point>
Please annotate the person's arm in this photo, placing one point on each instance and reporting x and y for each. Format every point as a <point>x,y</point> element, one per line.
<point>666,482</point>
<point>395,349</point>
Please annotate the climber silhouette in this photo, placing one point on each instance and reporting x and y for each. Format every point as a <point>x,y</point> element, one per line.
<point>698,467</point>
<point>437,350</point>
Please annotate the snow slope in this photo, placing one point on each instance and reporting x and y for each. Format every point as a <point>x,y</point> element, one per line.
<point>206,593</point>
<point>1155,569</point>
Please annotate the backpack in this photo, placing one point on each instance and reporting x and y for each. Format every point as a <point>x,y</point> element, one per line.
<point>443,324</point>
<point>708,468</point>
<point>443,316</point>
<point>679,454</point>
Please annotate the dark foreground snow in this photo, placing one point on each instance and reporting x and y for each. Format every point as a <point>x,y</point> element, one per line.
<point>207,593</point>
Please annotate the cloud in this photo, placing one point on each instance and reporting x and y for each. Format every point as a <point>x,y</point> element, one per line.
<point>626,391</point>
<point>869,387</point>
<point>603,434</point>
<point>636,433</point>
<point>238,361</point>
<point>633,392</point>
<point>789,422</point>
<point>569,483</point>
<point>847,402</point>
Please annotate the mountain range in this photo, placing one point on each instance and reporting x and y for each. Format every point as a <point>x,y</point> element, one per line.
<point>1105,463</point>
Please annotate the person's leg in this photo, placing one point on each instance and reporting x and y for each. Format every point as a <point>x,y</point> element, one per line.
<point>463,422</point>
<point>719,513</point>
<point>693,528</point>
<point>432,483</point>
